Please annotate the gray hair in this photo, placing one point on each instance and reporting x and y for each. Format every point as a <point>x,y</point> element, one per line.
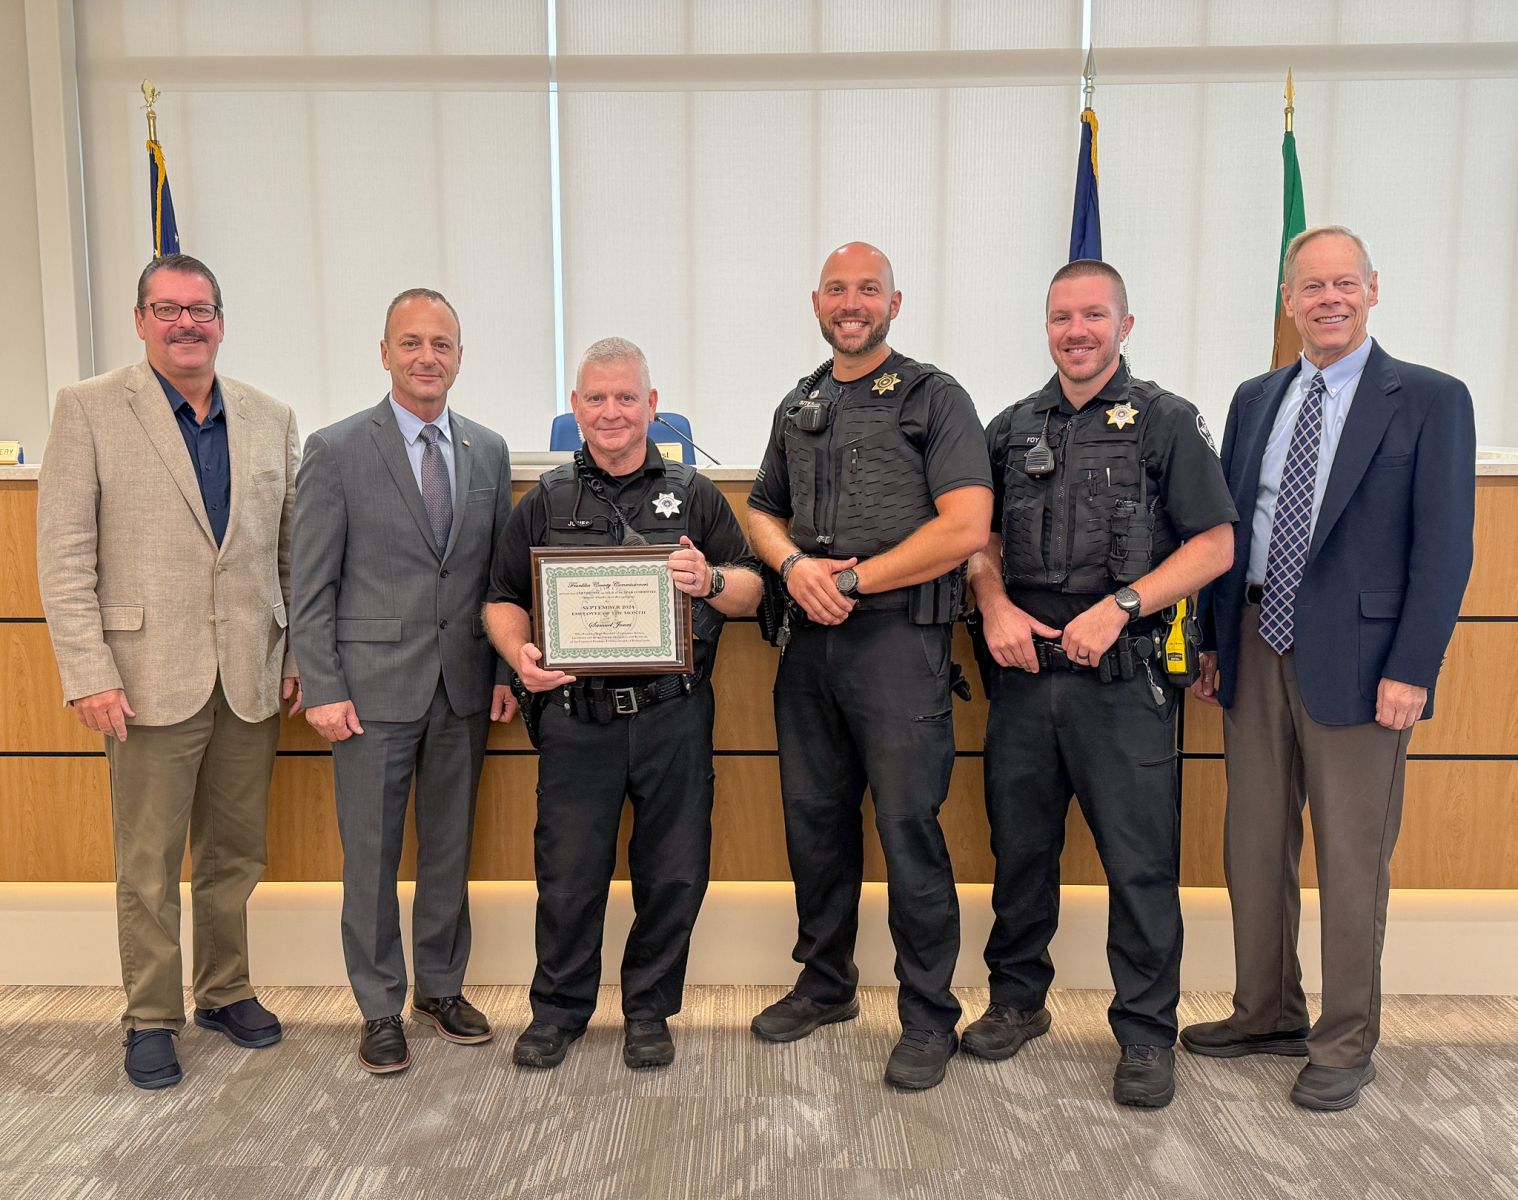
<point>421,293</point>
<point>613,349</point>
<point>1288,267</point>
<point>185,265</point>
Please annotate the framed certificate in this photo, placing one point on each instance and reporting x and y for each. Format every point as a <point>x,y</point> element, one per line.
<point>609,610</point>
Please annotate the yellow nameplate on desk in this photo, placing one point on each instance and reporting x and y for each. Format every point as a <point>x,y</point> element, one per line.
<point>10,454</point>
<point>670,450</point>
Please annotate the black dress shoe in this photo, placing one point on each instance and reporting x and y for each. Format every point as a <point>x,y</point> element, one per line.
<point>1218,1039</point>
<point>1331,1089</point>
<point>543,1045</point>
<point>248,1023</point>
<point>1145,1077</point>
<point>454,1017</point>
<point>150,1059</point>
<point>920,1058</point>
<point>382,1050</point>
<point>647,1044</point>
<point>792,1017</point>
<point>1003,1031</point>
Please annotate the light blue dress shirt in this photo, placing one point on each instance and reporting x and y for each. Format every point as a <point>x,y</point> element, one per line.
<point>1341,380</point>
<point>410,426</point>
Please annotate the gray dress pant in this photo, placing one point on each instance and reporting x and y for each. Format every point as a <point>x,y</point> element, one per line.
<point>373,772</point>
<point>1279,759</point>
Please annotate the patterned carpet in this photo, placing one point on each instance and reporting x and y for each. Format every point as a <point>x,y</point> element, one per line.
<point>735,1117</point>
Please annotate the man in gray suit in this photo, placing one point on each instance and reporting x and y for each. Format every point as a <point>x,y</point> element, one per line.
<point>397,510</point>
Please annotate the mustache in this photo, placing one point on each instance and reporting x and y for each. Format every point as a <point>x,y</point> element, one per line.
<point>187,335</point>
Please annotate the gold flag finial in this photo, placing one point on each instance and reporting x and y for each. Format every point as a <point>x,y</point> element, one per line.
<point>151,94</point>
<point>1291,99</point>
<point>1088,73</point>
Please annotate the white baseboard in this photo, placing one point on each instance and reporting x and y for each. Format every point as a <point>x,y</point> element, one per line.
<point>1446,942</point>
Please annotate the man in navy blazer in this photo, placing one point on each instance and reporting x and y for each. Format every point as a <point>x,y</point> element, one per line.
<point>1354,477</point>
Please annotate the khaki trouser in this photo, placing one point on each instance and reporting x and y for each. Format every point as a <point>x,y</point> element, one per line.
<point>208,775</point>
<point>1278,757</point>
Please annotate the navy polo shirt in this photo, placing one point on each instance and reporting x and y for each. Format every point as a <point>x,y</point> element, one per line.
<point>207,444</point>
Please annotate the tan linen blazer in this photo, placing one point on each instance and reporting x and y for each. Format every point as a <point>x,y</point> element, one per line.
<point>136,591</point>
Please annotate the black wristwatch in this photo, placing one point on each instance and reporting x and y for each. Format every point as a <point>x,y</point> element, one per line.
<point>1129,601</point>
<point>718,583</point>
<point>847,583</point>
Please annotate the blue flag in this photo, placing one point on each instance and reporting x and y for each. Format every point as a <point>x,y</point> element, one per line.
<point>1086,224</point>
<point>161,204</point>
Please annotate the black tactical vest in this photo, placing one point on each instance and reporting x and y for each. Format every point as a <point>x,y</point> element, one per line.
<point>858,486</point>
<point>579,517</point>
<point>1095,523</point>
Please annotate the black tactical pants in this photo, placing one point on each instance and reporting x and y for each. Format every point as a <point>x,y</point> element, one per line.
<point>868,702</point>
<point>1113,746</point>
<point>661,759</point>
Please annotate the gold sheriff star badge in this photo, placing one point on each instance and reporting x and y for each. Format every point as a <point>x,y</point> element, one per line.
<point>1122,415</point>
<point>886,383</point>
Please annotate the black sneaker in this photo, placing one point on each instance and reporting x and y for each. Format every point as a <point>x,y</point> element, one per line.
<point>920,1057</point>
<point>1003,1031</point>
<point>150,1059</point>
<point>792,1017</point>
<point>1145,1077</point>
<point>647,1044</point>
<point>543,1045</point>
<point>382,1046</point>
<point>248,1023</point>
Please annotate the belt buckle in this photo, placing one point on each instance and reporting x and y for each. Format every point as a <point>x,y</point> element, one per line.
<point>624,701</point>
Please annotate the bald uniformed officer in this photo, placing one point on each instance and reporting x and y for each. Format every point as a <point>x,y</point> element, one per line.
<point>1110,505</point>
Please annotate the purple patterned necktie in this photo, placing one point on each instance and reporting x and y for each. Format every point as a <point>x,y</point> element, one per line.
<point>1291,529</point>
<point>437,493</point>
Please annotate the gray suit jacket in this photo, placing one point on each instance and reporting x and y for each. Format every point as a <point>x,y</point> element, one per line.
<point>378,610</point>
<point>138,595</point>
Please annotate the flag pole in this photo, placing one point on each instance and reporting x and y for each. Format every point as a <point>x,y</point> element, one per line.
<point>1291,101</point>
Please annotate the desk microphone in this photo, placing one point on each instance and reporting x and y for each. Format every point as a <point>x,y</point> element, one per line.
<point>684,438</point>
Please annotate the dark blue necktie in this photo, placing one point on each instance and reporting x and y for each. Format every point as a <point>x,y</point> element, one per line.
<point>1291,528</point>
<point>437,493</point>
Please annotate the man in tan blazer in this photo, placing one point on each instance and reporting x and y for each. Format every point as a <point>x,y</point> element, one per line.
<point>163,533</point>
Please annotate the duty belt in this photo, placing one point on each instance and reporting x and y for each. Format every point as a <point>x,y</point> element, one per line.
<point>1127,656</point>
<point>597,700</point>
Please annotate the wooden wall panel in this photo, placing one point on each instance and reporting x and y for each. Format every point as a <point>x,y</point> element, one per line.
<point>33,717</point>
<point>1493,589</point>
<point>1458,827</point>
<point>1475,706</point>
<point>56,814</point>
<point>1460,830</point>
<point>19,596</point>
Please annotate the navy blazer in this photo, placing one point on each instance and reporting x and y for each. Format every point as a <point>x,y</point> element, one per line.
<point>1392,546</point>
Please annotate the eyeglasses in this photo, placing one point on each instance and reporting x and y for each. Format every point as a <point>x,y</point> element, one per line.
<point>167,310</point>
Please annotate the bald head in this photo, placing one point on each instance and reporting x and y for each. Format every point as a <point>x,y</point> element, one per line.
<point>854,258</point>
<point>855,302</point>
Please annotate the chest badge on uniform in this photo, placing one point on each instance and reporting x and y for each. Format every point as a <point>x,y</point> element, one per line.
<point>886,383</point>
<point>665,505</point>
<point>1122,415</point>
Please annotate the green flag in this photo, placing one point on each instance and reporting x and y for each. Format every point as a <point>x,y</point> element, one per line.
<point>1288,343</point>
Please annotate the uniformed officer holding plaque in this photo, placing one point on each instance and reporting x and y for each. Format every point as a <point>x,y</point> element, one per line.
<point>874,490</point>
<point>605,739</point>
<point>1110,506</point>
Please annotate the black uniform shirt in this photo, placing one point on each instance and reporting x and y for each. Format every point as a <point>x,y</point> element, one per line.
<point>712,525</point>
<point>1175,444</point>
<point>939,416</point>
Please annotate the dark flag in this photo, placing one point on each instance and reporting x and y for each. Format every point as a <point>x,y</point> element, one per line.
<point>161,204</point>
<point>1086,224</point>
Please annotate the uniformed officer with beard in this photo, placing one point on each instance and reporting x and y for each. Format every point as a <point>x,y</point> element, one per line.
<point>873,491</point>
<point>1110,506</point>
